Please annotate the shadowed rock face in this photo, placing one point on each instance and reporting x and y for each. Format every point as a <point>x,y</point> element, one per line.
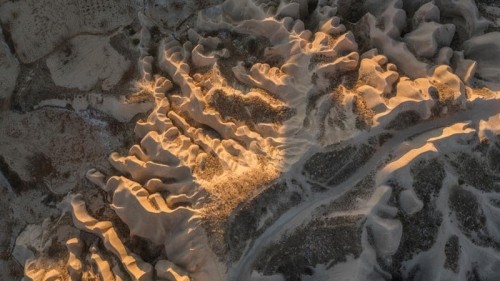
<point>296,140</point>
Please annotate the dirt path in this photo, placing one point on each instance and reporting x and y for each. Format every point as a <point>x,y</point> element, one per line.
<point>479,109</point>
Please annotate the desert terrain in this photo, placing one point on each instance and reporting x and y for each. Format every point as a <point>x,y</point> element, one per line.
<point>207,140</point>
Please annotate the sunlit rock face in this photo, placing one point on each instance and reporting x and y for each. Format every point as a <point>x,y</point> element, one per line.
<point>279,140</point>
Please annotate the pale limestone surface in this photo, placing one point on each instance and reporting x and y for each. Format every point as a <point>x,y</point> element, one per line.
<point>85,61</point>
<point>39,27</point>
<point>240,97</point>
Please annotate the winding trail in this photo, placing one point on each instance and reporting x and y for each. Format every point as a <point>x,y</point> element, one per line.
<point>477,110</point>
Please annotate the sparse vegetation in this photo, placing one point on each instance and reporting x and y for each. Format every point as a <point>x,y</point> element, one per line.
<point>421,229</point>
<point>469,214</point>
<point>473,172</point>
<point>404,120</point>
<point>322,166</point>
<point>249,110</point>
<point>364,118</point>
<point>236,181</point>
<point>323,241</point>
<point>225,194</point>
<point>452,250</point>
